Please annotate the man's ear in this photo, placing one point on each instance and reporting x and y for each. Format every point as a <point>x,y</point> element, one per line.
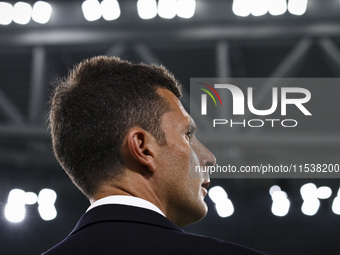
<point>141,145</point>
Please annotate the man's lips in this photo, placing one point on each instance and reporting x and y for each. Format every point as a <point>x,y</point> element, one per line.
<point>205,186</point>
<point>205,191</point>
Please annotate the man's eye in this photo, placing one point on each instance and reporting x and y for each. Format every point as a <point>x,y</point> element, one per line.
<point>188,134</point>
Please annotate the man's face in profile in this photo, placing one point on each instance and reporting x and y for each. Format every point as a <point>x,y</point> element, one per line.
<point>184,194</point>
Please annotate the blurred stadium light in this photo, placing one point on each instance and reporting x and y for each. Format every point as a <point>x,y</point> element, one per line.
<point>223,204</point>
<point>110,9</point>
<point>281,203</point>
<point>22,13</point>
<point>297,7</point>
<point>277,7</point>
<point>15,210</point>
<point>311,203</point>
<point>6,13</point>
<point>259,7</point>
<point>167,9</point>
<point>31,198</point>
<point>186,8</point>
<point>46,200</point>
<point>147,9</point>
<point>324,192</point>
<point>336,204</point>
<point>41,12</point>
<point>91,10</point>
<point>244,8</point>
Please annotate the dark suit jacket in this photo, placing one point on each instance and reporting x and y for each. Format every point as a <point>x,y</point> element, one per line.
<point>122,229</point>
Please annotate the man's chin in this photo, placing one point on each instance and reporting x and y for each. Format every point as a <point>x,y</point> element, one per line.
<point>200,213</point>
<point>192,214</point>
<point>205,212</point>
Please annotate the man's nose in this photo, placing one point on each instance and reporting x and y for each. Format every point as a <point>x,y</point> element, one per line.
<point>206,157</point>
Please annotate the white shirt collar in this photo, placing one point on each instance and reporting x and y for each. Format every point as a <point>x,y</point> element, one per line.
<point>126,200</point>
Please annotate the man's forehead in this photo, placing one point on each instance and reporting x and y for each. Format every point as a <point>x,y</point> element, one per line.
<point>174,102</point>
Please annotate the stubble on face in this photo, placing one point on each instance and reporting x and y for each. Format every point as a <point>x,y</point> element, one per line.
<point>183,194</point>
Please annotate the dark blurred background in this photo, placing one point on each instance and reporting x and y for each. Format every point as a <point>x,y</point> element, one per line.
<point>215,42</point>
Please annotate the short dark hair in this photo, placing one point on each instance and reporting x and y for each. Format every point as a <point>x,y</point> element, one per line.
<point>94,107</point>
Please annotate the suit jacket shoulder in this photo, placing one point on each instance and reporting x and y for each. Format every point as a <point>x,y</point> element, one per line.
<point>121,229</point>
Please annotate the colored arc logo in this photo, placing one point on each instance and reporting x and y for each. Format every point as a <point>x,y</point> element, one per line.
<point>209,93</point>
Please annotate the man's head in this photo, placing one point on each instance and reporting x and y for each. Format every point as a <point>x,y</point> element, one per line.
<point>119,128</point>
<point>93,109</point>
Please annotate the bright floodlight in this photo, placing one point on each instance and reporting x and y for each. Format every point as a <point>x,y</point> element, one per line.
<point>15,212</point>
<point>324,192</point>
<point>41,12</point>
<point>297,7</point>
<point>308,191</point>
<point>110,9</point>
<point>311,203</point>
<point>310,207</point>
<point>46,200</point>
<point>167,8</point>
<point>336,205</point>
<point>273,189</point>
<point>91,10</point>
<point>225,209</point>
<point>6,13</point>
<point>259,7</point>
<point>281,204</point>
<point>16,196</point>
<point>15,208</point>
<point>218,195</point>
<point>22,13</point>
<point>30,198</point>
<point>186,8</point>
<point>223,204</point>
<point>47,197</point>
<point>277,7</point>
<point>47,212</point>
<point>147,9</point>
<point>242,7</point>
